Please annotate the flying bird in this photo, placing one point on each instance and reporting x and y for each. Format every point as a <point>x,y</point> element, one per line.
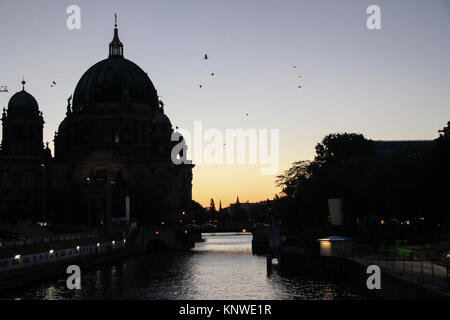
<point>206,57</point>
<point>212,74</point>
<point>299,87</point>
<point>200,85</point>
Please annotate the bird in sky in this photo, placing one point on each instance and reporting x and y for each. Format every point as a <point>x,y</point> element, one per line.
<point>299,87</point>
<point>200,86</point>
<point>294,67</point>
<point>206,57</point>
<point>212,74</point>
<point>246,114</point>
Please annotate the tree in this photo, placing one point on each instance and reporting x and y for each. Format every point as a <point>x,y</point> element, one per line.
<point>445,133</point>
<point>291,180</point>
<point>441,149</point>
<point>338,147</point>
<point>438,174</point>
<point>198,213</point>
<point>308,184</point>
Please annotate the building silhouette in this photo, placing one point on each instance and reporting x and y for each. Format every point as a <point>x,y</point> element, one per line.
<point>112,153</point>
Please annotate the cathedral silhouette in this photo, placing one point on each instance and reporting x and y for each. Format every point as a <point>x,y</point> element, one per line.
<point>112,154</point>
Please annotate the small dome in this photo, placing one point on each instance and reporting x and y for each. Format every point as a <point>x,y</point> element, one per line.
<point>161,119</point>
<point>23,100</point>
<point>62,125</point>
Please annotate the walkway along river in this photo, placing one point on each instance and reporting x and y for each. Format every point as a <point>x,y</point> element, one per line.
<point>221,267</point>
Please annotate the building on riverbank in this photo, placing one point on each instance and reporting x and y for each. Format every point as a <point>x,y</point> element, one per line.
<point>112,153</point>
<point>337,246</point>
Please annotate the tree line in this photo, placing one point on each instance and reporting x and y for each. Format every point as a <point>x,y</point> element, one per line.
<point>404,188</point>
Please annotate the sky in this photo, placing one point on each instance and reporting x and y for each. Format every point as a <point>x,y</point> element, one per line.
<point>390,84</point>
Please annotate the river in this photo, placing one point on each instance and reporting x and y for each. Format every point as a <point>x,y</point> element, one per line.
<point>221,267</point>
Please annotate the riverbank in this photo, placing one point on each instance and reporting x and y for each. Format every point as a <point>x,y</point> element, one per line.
<point>56,244</point>
<point>20,276</point>
<point>352,272</point>
<point>220,268</point>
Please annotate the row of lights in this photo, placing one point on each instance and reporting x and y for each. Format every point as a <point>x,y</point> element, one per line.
<point>157,232</point>
<point>17,256</point>
<point>408,222</point>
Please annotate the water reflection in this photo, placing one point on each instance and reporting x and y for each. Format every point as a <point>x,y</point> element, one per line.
<point>221,267</point>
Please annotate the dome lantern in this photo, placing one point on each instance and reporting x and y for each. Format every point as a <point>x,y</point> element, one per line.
<point>115,46</point>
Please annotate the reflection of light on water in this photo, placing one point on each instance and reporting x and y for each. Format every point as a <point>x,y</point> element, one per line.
<point>328,293</point>
<point>222,267</point>
<point>78,293</point>
<point>51,293</point>
<point>225,242</point>
<point>98,279</point>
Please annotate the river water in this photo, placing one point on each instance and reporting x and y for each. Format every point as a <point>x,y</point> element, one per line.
<point>221,267</point>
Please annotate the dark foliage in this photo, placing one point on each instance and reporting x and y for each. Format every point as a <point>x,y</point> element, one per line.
<point>407,185</point>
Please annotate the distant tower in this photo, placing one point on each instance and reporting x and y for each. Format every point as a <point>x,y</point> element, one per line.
<point>22,126</point>
<point>23,160</point>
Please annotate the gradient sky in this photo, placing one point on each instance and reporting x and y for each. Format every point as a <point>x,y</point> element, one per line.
<point>391,84</point>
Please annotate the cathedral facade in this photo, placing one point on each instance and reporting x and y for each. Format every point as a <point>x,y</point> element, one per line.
<point>112,153</point>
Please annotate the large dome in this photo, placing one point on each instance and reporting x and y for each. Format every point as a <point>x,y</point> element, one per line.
<point>115,79</point>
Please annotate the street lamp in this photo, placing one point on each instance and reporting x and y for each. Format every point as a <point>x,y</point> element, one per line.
<point>448,262</point>
<point>43,193</point>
